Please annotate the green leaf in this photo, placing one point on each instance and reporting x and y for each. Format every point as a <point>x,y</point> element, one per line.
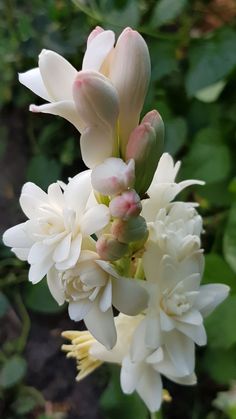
<point>218,271</point>
<point>211,93</point>
<point>12,372</point>
<point>38,298</point>
<point>27,399</point>
<point>208,159</point>
<point>211,60</point>
<point>229,240</point>
<point>220,364</point>
<point>220,325</point>
<point>164,58</point>
<point>43,171</point>
<point>4,304</point>
<point>175,135</point>
<point>117,405</point>
<point>167,10</point>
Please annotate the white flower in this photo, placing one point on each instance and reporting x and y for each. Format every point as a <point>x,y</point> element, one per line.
<point>58,221</point>
<point>140,366</point>
<point>178,303</point>
<point>163,188</point>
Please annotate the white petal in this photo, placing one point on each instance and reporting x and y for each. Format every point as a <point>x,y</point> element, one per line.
<point>195,332</point>
<point>128,296</point>
<point>210,296</point>
<point>155,357</point>
<point>192,317</point>
<point>33,80</point>
<point>39,270</point>
<point>65,109</point>
<point>138,348</point>
<point>106,298</point>
<point>21,253</point>
<point>58,75</point>
<point>17,237</point>
<point>101,326</point>
<point>79,309</point>
<point>181,351</point>
<point>55,195</point>
<point>129,375</point>
<point>97,50</point>
<point>149,389</point>
<point>96,144</point>
<point>63,249</point>
<point>38,252</point>
<point>153,336</point>
<point>188,380</point>
<point>75,250</point>
<point>77,192</point>
<point>31,199</point>
<point>55,287</point>
<point>95,219</point>
<point>167,323</point>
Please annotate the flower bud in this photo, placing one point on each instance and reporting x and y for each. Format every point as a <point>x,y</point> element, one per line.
<point>113,176</point>
<point>130,74</point>
<point>126,205</point>
<point>109,248</point>
<point>132,230</point>
<point>96,102</point>
<point>145,147</point>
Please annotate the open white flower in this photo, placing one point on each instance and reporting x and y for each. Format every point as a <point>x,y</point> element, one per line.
<point>58,221</point>
<point>163,188</point>
<point>140,370</point>
<point>91,287</point>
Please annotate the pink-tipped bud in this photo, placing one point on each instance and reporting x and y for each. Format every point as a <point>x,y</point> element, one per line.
<point>126,205</point>
<point>109,248</point>
<point>130,74</point>
<point>145,147</point>
<point>132,230</point>
<point>95,32</point>
<point>113,176</point>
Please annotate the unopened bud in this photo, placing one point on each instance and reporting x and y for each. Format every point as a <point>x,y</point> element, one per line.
<point>109,248</point>
<point>113,176</point>
<point>132,230</point>
<point>126,205</point>
<point>145,147</point>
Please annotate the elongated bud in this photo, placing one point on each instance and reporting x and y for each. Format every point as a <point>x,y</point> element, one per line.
<point>109,248</point>
<point>145,147</point>
<point>95,32</point>
<point>96,100</point>
<point>113,176</point>
<point>132,230</point>
<point>130,74</point>
<point>126,205</point>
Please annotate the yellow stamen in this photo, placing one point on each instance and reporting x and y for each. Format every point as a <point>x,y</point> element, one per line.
<point>166,397</point>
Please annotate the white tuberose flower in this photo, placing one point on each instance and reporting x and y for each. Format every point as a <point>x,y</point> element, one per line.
<point>58,221</point>
<point>91,287</point>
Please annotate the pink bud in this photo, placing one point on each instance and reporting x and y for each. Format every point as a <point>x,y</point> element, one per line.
<point>113,176</point>
<point>109,248</point>
<point>126,205</point>
<point>94,33</point>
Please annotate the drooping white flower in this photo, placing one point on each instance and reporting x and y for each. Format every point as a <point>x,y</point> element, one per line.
<point>91,291</point>
<point>163,188</point>
<point>140,368</point>
<point>58,222</point>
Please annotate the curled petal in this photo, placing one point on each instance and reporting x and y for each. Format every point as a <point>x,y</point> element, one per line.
<point>99,45</point>
<point>33,80</point>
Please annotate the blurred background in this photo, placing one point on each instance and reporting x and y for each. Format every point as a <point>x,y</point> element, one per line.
<point>193,52</point>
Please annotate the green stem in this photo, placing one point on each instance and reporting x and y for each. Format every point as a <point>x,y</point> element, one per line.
<point>25,323</point>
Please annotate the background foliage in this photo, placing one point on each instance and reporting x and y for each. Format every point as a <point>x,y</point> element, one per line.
<point>193,52</point>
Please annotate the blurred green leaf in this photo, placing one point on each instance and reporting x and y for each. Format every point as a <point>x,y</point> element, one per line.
<point>229,241</point>
<point>211,93</point>
<point>175,135</point>
<point>218,271</point>
<point>208,158</point>
<point>43,171</point>
<point>220,364</point>
<point>220,325</point>
<point>12,371</point>
<point>163,56</point>
<point>4,304</point>
<point>26,400</point>
<point>211,59</point>
<point>38,298</point>
<point>167,10</point>
<point>117,405</point>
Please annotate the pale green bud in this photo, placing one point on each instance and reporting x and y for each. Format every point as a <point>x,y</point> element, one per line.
<point>132,230</point>
<point>109,248</point>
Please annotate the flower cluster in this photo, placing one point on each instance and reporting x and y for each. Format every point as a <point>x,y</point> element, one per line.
<point>114,235</point>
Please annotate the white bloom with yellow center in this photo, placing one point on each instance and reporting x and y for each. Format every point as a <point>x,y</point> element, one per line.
<point>58,221</point>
